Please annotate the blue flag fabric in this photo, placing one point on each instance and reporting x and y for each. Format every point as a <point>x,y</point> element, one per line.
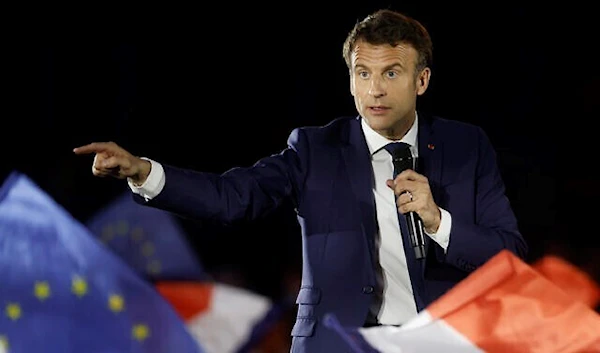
<point>150,240</point>
<point>61,291</point>
<point>351,335</point>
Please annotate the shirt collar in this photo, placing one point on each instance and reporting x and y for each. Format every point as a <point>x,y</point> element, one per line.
<point>375,141</point>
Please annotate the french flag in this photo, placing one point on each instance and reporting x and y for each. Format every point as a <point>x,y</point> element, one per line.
<point>222,318</point>
<point>573,280</point>
<point>504,306</point>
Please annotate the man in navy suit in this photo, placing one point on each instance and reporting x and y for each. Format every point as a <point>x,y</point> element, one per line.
<point>357,260</point>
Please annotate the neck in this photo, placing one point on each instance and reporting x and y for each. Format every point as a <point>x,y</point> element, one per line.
<point>398,131</point>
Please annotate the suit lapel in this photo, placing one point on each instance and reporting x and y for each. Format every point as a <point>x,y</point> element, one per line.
<point>360,173</point>
<point>430,158</point>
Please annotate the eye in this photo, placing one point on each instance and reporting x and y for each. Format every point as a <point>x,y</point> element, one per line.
<point>391,74</point>
<point>363,74</point>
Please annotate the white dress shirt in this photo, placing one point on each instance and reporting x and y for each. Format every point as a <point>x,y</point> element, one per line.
<point>154,183</point>
<point>397,304</point>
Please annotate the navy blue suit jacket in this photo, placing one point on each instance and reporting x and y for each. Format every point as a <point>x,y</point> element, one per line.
<point>326,173</point>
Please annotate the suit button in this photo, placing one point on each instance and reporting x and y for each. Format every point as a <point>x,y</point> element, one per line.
<point>368,289</point>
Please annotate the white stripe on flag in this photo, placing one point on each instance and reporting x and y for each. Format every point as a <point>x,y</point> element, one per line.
<point>422,335</point>
<point>504,306</point>
<point>229,319</point>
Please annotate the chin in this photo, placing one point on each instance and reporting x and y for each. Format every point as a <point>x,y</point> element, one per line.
<point>379,123</point>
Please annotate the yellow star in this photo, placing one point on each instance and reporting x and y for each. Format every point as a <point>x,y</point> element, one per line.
<point>3,342</point>
<point>79,286</point>
<point>116,303</point>
<point>122,227</point>
<point>153,267</point>
<point>13,311</point>
<point>148,249</point>
<point>137,234</point>
<point>140,332</point>
<point>41,290</point>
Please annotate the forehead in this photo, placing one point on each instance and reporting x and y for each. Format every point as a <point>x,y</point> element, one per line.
<point>373,55</point>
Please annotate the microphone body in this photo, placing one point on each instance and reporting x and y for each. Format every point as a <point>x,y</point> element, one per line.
<point>402,160</point>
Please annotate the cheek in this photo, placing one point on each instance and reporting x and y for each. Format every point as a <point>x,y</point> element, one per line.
<point>354,87</point>
<point>403,88</point>
<point>359,89</point>
<point>359,98</point>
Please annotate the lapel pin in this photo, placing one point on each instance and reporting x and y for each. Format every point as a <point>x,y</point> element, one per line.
<point>431,146</point>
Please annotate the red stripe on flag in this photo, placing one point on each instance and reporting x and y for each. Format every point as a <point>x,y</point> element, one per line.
<point>573,280</point>
<point>507,306</point>
<point>188,298</point>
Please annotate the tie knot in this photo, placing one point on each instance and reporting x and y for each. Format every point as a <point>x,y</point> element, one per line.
<point>398,149</point>
<point>401,156</point>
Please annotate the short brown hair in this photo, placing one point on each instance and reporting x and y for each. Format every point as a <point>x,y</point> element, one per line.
<point>390,27</point>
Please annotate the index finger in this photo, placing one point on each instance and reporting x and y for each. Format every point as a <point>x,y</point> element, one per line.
<point>93,147</point>
<point>410,174</point>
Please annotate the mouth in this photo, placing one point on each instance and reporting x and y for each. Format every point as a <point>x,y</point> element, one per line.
<point>378,108</point>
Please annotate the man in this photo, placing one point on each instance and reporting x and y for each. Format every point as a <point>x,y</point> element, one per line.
<point>358,261</point>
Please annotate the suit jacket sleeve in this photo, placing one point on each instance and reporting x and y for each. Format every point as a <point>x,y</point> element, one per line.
<point>240,194</point>
<point>493,226</point>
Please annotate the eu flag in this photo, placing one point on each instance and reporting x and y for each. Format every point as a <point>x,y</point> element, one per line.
<point>150,240</point>
<point>62,291</point>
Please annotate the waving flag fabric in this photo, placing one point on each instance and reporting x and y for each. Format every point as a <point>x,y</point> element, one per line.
<point>61,291</point>
<point>504,306</point>
<point>225,318</point>
<point>150,240</point>
<point>222,318</point>
<point>573,280</point>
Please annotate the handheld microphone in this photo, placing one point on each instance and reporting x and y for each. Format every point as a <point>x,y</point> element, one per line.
<point>402,159</point>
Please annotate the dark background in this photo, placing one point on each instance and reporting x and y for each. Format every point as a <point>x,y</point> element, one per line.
<point>212,87</point>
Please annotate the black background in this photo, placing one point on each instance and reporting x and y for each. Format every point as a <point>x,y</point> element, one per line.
<point>217,85</point>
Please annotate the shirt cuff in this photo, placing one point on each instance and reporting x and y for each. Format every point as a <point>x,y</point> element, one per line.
<point>442,236</point>
<point>153,184</point>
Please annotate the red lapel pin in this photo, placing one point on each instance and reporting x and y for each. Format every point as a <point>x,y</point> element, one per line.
<point>431,146</point>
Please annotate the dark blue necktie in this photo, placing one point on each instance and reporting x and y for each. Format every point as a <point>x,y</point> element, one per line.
<point>401,156</point>
<point>402,160</point>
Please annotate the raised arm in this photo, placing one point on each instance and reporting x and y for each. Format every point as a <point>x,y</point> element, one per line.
<point>111,160</point>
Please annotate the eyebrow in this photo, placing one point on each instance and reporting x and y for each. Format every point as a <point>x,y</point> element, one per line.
<point>389,67</point>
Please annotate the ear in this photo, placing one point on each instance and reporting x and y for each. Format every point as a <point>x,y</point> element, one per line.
<point>423,80</point>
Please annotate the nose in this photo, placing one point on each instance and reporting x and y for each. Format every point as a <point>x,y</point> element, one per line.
<point>377,88</point>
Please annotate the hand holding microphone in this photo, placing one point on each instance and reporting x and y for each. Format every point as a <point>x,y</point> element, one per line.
<point>414,195</point>
<point>414,199</point>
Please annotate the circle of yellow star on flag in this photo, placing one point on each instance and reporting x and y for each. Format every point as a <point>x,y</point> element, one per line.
<point>79,286</point>
<point>13,311</point>
<point>116,303</point>
<point>41,290</point>
<point>140,332</point>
